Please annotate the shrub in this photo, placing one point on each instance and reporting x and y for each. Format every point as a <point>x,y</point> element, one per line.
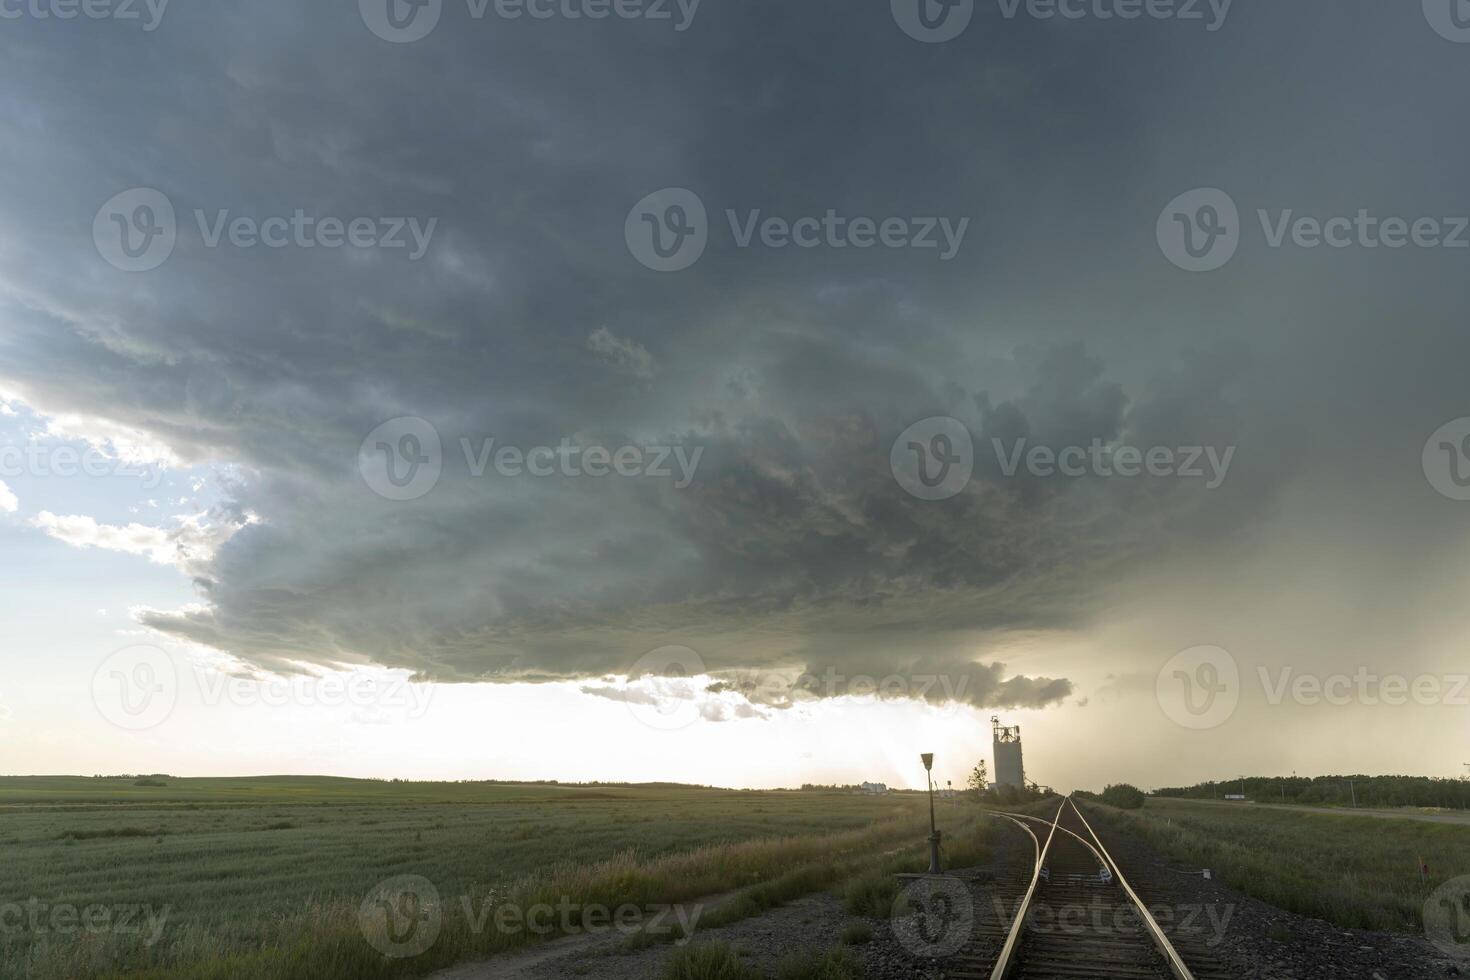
<point>707,961</point>
<point>1123,796</point>
<point>871,894</point>
<point>857,934</point>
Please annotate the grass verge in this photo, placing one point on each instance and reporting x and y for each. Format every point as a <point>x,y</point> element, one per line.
<point>1354,872</point>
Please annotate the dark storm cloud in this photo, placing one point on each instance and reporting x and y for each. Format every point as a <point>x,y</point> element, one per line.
<point>793,371</point>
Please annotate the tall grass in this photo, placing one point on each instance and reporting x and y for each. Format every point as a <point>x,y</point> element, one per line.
<point>872,892</point>
<point>1354,872</point>
<point>869,885</point>
<point>707,961</point>
<point>318,934</point>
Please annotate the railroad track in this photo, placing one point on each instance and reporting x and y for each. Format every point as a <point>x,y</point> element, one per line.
<point>1073,915</point>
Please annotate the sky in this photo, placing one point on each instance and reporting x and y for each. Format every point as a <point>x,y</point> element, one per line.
<point>746,394</point>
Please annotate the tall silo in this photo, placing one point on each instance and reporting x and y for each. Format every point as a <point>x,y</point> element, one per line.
<point>1006,741</point>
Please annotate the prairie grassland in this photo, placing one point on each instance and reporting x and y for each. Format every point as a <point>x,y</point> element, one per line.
<point>1355,872</point>
<point>264,877</point>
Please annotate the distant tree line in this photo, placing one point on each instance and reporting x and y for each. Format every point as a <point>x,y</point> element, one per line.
<point>1370,791</point>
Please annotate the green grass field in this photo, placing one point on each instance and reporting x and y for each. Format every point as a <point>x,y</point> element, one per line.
<point>264,877</point>
<point>1352,871</point>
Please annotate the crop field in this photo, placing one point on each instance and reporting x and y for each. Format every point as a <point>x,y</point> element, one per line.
<point>170,877</point>
<point>1353,871</point>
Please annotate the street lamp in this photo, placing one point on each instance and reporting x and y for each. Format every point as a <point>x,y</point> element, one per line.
<point>928,759</point>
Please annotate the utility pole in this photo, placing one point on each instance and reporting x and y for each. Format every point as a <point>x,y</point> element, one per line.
<point>928,759</point>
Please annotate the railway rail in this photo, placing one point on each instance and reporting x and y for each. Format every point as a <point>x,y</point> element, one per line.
<point>1072,914</point>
